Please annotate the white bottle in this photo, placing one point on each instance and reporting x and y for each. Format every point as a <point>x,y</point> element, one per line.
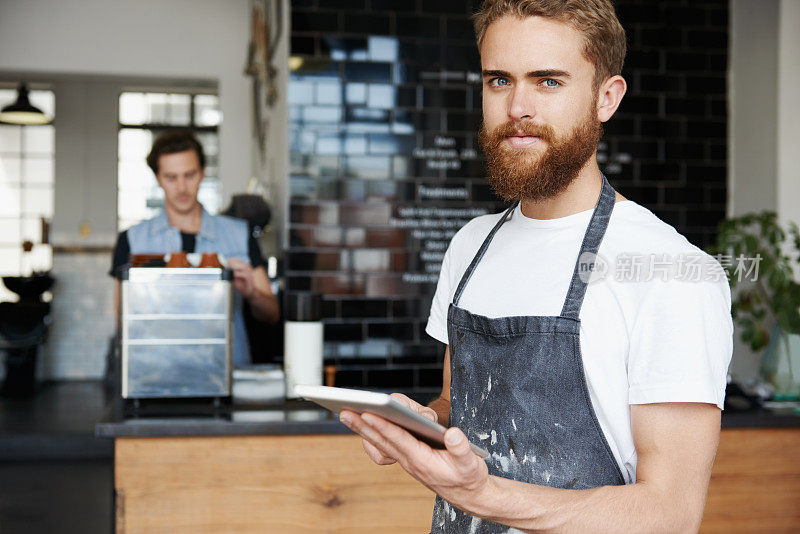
<point>302,341</point>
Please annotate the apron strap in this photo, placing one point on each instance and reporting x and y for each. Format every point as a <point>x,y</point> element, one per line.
<point>591,243</point>
<point>480,253</point>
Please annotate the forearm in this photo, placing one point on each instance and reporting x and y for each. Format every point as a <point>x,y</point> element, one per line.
<point>264,306</point>
<point>632,508</point>
<point>441,406</point>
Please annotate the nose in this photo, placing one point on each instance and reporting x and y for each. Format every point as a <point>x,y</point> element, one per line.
<point>521,105</point>
<point>182,185</point>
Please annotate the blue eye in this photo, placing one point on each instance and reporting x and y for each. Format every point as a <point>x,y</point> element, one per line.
<point>502,82</point>
<point>554,84</point>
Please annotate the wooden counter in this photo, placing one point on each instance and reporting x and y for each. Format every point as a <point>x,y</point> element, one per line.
<point>325,484</point>
<point>263,484</point>
<point>755,484</point>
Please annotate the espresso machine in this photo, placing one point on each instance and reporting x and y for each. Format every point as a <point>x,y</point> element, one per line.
<point>176,333</point>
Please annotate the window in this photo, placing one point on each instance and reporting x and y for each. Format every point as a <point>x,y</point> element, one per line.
<point>26,189</point>
<point>142,117</point>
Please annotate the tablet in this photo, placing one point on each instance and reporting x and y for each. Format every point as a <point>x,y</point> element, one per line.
<point>337,399</point>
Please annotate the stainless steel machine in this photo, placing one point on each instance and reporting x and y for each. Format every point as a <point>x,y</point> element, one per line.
<point>176,332</point>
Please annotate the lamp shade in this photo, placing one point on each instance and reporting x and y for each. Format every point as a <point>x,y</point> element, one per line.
<point>21,111</point>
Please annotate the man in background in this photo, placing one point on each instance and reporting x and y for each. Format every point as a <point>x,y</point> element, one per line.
<point>178,162</point>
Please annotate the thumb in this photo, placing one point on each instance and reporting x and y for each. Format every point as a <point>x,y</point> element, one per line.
<point>430,414</point>
<point>457,444</point>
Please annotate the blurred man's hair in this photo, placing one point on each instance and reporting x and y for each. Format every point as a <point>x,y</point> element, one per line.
<point>171,142</point>
<point>604,38</point>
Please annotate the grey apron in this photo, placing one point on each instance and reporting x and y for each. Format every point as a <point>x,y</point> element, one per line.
<point>519,390</point>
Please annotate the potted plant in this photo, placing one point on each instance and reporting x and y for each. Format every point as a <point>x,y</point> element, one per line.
<point>766,304</point>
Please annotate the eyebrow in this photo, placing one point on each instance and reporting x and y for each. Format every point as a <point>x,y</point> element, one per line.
<point>542,73</point>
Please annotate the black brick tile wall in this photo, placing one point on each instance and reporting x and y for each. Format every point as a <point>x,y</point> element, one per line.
<point>383,115</point>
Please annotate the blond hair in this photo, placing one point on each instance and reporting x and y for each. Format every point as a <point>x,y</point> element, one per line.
<point>604,38</point>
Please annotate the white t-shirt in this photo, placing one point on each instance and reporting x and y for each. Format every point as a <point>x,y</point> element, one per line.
<point>643,339</point>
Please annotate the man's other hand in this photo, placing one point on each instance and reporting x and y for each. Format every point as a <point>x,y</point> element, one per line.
<point>242,277</point>
<point>456,473</point>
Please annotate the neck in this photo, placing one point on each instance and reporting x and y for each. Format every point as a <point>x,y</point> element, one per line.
<point>580,195</point>
<point>189,221</point>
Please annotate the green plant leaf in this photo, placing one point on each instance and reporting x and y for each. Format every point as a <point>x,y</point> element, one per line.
<point>776,291</point>
<point>777,278</point>
<point>747,335</point>
<point>789,319</point>
<point>751,244</point>
<point>760,339</point>
<point>793,292</point>
<point>744,303</point>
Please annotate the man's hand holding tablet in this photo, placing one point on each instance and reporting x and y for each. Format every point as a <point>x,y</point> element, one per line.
<point>457,472</point>
<point>357,408</point>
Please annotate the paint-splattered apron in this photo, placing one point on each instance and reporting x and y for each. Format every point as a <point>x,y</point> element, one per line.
<point>518,389</point>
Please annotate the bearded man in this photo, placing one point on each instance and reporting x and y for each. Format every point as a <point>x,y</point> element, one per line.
<point>597,395</point>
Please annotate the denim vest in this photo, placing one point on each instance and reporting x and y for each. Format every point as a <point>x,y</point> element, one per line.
<point>220,234</point>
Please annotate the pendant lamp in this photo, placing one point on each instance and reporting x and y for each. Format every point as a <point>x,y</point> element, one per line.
<point>21,111</point>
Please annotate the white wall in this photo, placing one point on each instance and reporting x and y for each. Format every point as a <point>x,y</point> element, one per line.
<point>789,111</point>
<point>764,106</point>
<point>200,39</point>
<point>752,96</point>
<point>85,162</point>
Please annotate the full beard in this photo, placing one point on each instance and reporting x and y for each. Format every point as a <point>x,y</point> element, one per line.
<point>517,174</point>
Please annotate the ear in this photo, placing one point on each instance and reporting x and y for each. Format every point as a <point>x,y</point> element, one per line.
<point>609,96</point>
